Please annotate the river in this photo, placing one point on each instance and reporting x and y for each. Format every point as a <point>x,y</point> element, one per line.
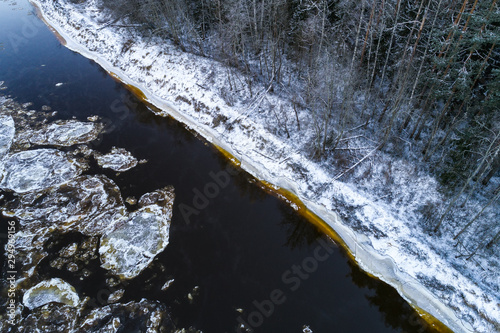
<point>241,255</point>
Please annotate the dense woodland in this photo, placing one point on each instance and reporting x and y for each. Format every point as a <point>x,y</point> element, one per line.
<point>425,72</point>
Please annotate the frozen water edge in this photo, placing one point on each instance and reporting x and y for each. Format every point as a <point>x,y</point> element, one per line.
<point>376,256</point>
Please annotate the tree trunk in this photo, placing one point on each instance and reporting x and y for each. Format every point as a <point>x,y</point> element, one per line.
<point>357,34</point>
<point>398,7</point>
<point>367,33</point>
<point>494,170</point>
<point>450,206</point>
<point>493,199</point>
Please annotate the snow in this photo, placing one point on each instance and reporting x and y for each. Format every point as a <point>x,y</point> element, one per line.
<point>37,169</point>
<point>48,291</point>
<point>377,227</point>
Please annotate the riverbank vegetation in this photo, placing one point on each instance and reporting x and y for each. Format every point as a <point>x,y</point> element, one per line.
<point>418,80</point>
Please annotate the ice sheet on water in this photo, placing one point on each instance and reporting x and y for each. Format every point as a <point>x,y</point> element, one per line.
<point>118,160</point>
<point>145,316</point>
<point>7,131</point>
<point>93,206</point>
<point>138,238</point>
<point>88,204</point>
<point>66,133</point>
<point>142,316</point>
<point>62,319</point>
<point>48,291</point>
<point>37,169</point>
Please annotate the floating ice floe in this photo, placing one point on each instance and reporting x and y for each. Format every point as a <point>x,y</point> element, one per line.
<point>76,257</point>
<point>306,329</point>
<point>167,284</point>
<point>116,296</point>
<point>62,318</point>
<point>66,133</point>
<point>88,204</point>
<point>138,238</point>
<point>37,169</point>
<point>30,249</point>
<point>118,160</point>
<point>48,291</point>
<point>144,316</point>
<point>7,131</point>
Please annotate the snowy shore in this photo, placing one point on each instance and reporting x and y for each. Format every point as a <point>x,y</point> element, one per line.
<point>191,90</point>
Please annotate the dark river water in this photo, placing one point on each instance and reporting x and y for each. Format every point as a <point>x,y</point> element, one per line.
<point>243,251</point>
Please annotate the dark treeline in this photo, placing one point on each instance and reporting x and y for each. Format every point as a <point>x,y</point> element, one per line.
<point>425,71</point>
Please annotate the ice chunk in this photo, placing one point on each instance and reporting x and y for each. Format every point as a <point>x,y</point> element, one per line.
<point>61,319</point>
<point>137,239</point>
<point>163,197</point>
<point>48,291</point>
<point>112,326</point>
<point>88,204</point>
<point>306,329</point>
<point>118,160</point>
<point>66,133</point>
<point>37,169</point>
<point>133,245</point>
<point>131,201</point>
<point>30,250</point>
<point>143,316</point>
<point>167,284</point>
<point>7,131</point>
<point>116,296</point>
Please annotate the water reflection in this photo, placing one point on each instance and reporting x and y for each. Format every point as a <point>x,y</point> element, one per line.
<point>300,231</point>
<point>389,303</point>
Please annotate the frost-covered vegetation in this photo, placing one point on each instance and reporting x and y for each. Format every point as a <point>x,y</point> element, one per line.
<point>417,80</point>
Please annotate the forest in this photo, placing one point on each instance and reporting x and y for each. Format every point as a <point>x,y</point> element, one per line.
<point>423,74</point>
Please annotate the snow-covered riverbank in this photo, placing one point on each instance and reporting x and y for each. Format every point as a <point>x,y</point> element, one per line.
<point>194,91</point>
